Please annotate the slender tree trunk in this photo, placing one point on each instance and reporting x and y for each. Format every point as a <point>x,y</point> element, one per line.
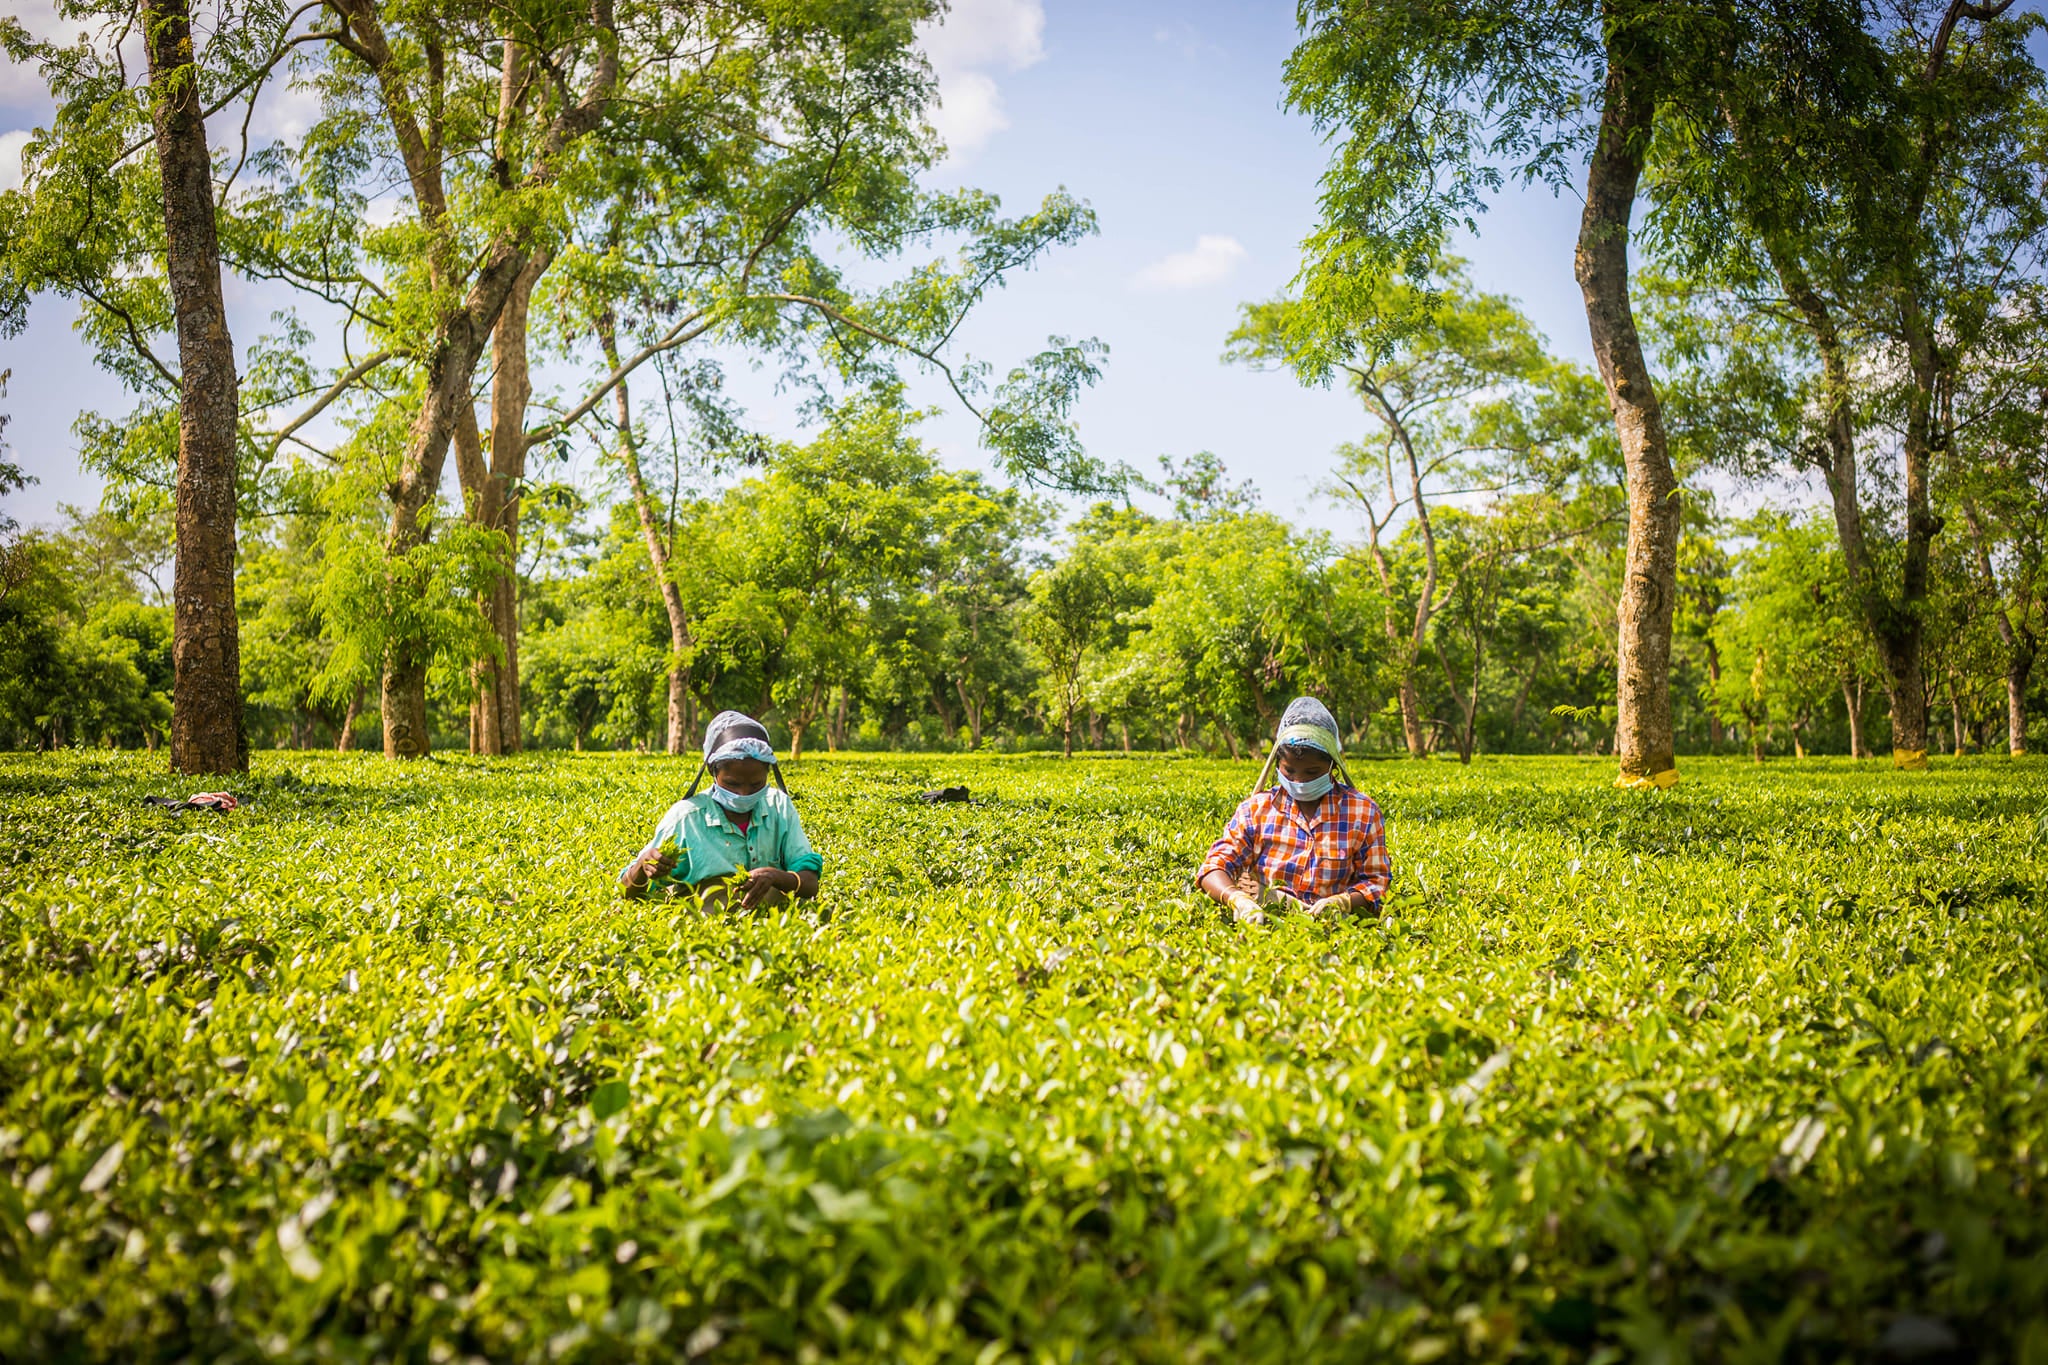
<point>973,709</point>
<point>651,532</point>
<point>475,477</point>
<point>346,740</point>
<point>1643,734</point>
<point>1405,651</point>
<point>1522,696</point>
<point>2016,670</point>
<point>1411,715</point>
<point>1955,714</point>
<point>207,734</point>
<point>1716,732</point>
<point>1852,701</point>
<point>2021,644</point>
<point>511,390</point>
<point>1894,622</point>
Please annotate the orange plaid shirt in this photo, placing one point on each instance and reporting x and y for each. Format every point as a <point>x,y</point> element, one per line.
<point>1344,848</point>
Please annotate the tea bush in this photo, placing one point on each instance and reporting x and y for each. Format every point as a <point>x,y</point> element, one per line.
<point>381,1068</point>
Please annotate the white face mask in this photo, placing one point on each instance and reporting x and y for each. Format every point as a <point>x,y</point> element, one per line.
<point>1308,791</point>
<point>735,802</point>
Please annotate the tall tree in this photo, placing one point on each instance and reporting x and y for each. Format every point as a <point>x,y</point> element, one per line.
<point>1437,102</point>
<point>206,705</point>
<point>1460,388</point>
<point>1887,210</point>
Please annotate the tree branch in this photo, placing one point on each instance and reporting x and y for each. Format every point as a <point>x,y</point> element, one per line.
<point>134,335</point>
<point>679,335</point>
<point>320,404</point>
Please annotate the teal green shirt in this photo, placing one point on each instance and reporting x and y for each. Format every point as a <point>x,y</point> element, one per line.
<point>714,847</point>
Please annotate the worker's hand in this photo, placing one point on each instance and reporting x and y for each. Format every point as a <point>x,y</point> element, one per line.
<point>1245,910</point>
<point>653,865</point>
<point>1332,905</point>
<point>764,882</point>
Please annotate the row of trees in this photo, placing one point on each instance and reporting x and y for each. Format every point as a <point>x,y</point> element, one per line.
<point>1848,196</point>
<point>857,593</point>
<point>1842,279</point>
<point>604,183</point>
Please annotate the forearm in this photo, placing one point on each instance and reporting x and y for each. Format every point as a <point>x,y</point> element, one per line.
<point>806,887</point>
<point>1218,885</point>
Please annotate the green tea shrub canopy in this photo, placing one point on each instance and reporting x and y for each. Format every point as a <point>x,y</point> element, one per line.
<point>381,1067</point>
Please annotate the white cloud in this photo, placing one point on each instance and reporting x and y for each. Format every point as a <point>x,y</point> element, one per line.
<point>1212,259</point>
<point>974,36</point>
<point>11,145</point>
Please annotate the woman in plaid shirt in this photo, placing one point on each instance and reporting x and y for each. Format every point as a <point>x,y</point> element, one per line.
<point>1309,842</point>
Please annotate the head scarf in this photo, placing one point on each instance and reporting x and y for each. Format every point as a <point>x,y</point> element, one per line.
<point>732,735</point>
<point>1306,723</point>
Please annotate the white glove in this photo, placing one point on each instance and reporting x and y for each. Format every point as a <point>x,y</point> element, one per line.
<point>1331,905</point>
<point>1245,910</point>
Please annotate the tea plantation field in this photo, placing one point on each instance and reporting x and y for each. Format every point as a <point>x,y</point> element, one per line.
<point>380,1068</point>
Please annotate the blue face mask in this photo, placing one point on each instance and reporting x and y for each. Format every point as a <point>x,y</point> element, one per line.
<point>1308,791</point>
<point>734,801</point>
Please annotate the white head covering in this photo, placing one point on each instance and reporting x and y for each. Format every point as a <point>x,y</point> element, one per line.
<point>732,735</point>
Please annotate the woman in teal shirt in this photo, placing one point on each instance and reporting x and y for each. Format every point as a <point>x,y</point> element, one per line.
<point>739,833</point>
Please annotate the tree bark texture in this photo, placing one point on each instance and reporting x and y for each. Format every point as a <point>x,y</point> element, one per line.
<point>1643,734</point>
<point>652,530</point>
<point>206,698</point>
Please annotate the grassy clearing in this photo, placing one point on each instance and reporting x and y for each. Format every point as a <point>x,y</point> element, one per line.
<point>381,1068</point>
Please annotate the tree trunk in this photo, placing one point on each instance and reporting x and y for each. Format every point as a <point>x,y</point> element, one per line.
<point>973,709</point>
<point>511,390</point>
<point>1522,697</point>
<point>450,370</point>
<point>1894,622</point>
<point>1852,701</point>
<point>1716,732</point>
<point>651,532</point>
<point>1643,735</point>
<point>1411,715</point>
<point>1955,714</point>
<point>475,477</point>
<point>206,654</point>
<point>2016,671</point>
<point>347,738</point>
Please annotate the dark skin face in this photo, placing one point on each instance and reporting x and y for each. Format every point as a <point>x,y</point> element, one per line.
<point>1304,765</point>
<point>741,776</point>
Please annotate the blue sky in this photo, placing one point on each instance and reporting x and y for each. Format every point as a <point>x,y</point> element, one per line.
<point>1166,118</point>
